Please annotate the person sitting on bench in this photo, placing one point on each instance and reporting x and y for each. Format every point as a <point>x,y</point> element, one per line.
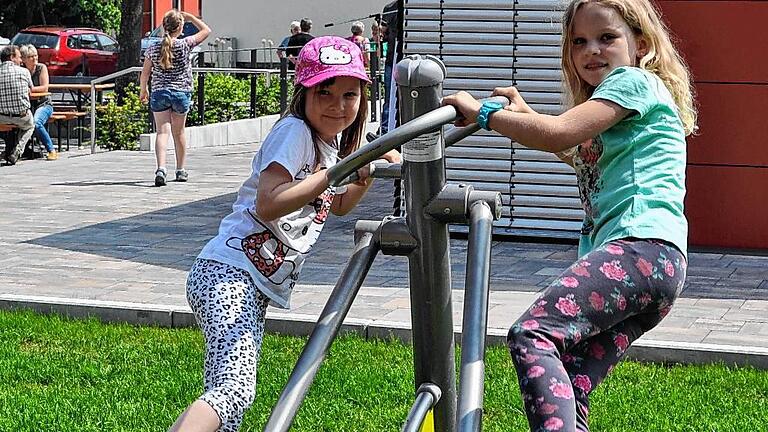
<point>15,85</point>
<point>42,109</point>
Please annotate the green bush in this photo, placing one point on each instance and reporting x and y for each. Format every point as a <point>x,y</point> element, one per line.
<point>228,98</point>
<point>118,126</point>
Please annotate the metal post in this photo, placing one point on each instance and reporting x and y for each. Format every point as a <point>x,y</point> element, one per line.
<point>253,95</point>
<point>472,372</point>
<point>426,397</point>
<point>93,119</point>
<point>201,89</point>
<point>328,325</point>
<point>374,84</point>
<point>271,52</point>
<point>283,84</point>
<point>419,81</point>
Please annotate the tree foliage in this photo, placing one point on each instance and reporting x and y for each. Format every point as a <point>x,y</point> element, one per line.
<point>18,14</point>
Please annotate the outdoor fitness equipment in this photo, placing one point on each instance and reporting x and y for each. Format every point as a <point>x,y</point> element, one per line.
<point>422,236</point>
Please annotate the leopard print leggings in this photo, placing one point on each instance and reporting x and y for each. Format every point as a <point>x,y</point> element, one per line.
<point>230,310</point>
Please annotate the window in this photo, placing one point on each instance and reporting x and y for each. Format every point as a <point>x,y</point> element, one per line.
<point>107,43</point>
<point>73,42</point>
<point>38,40</point>
<point>88,41</point>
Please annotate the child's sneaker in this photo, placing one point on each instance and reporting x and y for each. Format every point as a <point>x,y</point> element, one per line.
<point>52,155</point>
<point>160,177</point>
<point>181,175</point>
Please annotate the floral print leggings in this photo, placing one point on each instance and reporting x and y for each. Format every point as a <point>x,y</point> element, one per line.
<point>581,326</point>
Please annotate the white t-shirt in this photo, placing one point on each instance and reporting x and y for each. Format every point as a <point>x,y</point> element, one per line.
<point>273,252</point>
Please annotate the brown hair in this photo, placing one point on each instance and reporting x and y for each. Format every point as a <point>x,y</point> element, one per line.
<point>172,22</point>
<point>662,58</point>
<point>350,137</point>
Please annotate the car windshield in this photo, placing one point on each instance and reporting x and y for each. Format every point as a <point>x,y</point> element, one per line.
<point>38,40</point>
<point>189,30</point>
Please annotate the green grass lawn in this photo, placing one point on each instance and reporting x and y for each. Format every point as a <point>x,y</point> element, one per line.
<point>63,375</point>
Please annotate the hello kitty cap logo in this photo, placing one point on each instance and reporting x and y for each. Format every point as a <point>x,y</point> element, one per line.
<point>326,57</point>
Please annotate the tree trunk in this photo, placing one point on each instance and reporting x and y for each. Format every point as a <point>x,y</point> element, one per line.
<point>130,42</point>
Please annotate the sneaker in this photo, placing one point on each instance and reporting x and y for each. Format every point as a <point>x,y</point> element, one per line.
<point>52,156</point>
<point>160,177</point>
<point>181,175</point>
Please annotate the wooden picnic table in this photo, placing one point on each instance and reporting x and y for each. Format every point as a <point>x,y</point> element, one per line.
<point>80,91</point>
<point>38,95</point>
<point>80,87</point>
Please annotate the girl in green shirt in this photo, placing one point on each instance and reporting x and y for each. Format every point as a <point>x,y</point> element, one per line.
<point>625,137</point>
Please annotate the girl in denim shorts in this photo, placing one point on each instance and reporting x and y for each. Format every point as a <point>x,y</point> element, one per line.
<point>170,66</point>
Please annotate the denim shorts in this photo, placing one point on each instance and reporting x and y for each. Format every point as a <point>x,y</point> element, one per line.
<point>163,100</point>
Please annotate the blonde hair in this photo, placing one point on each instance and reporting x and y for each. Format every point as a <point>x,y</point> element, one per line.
<point>662,58</point>
<point>27,51</point>
<point>172,22</point>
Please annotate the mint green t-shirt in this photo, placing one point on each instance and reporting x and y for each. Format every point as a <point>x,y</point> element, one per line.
<point>632,176</point>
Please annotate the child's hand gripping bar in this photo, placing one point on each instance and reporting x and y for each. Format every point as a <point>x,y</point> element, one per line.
<point>380,168</point>
<point>426,123</point>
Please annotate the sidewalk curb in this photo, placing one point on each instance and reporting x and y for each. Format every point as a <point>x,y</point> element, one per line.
<point>302,325</point>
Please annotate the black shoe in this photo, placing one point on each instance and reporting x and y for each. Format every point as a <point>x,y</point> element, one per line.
<point>14,155</point>
<point>182,175</point>
<point>160,177</point>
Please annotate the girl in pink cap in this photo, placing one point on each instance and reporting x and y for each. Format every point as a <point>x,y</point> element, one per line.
<point>280,210</point>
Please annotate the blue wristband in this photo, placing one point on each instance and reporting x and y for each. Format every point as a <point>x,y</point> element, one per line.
<point>488,108</point>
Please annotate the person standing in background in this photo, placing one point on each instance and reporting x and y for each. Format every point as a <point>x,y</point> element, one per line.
<point>170,66</point>
<point>295,28</point>
<point>357,37</point>
<point>297,42</point>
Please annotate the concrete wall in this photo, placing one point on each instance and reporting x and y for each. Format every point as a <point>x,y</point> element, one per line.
<point>246,131</point>
<point>250,21</point>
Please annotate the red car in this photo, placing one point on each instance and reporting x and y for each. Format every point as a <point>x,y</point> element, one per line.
<point>72,51</point>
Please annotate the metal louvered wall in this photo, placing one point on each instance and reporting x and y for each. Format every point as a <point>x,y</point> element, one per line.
<point>498,43</point>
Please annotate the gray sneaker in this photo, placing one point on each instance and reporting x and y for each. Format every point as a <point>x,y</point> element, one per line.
<point>181,175</point>
<point>160,177</point>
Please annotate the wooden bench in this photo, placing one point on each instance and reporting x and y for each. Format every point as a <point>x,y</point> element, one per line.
<point>4,128</point>
<point>65,117</point>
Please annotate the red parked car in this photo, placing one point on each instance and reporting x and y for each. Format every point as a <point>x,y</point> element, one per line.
<point>72,51</point>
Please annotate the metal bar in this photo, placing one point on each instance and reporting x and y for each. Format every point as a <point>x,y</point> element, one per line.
<point>419,82</point>
<point>428,122</point>
<point>93,117</point>
<point>253,96</point>
<point>283,84</point>
<point>328,325</point>
<point>201,97</point>
<point>472,371</point>
<point>425,399</point>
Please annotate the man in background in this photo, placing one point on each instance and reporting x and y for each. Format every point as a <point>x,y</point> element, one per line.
<point>15,85</point>
<point>295,29</point>
<point>297,41</point>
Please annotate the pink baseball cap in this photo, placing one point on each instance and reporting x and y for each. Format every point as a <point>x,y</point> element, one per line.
<point>327,57</point>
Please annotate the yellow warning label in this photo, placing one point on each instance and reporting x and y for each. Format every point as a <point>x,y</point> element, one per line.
<point>429,423</point>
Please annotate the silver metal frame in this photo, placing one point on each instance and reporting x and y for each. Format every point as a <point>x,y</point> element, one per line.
<point>422,236</point>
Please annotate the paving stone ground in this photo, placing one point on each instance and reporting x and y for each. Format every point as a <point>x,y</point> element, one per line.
<point>93,227</point>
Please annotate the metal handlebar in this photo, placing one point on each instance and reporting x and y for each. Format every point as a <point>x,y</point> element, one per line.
<point>426,123</point>
<point>380,168</point>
